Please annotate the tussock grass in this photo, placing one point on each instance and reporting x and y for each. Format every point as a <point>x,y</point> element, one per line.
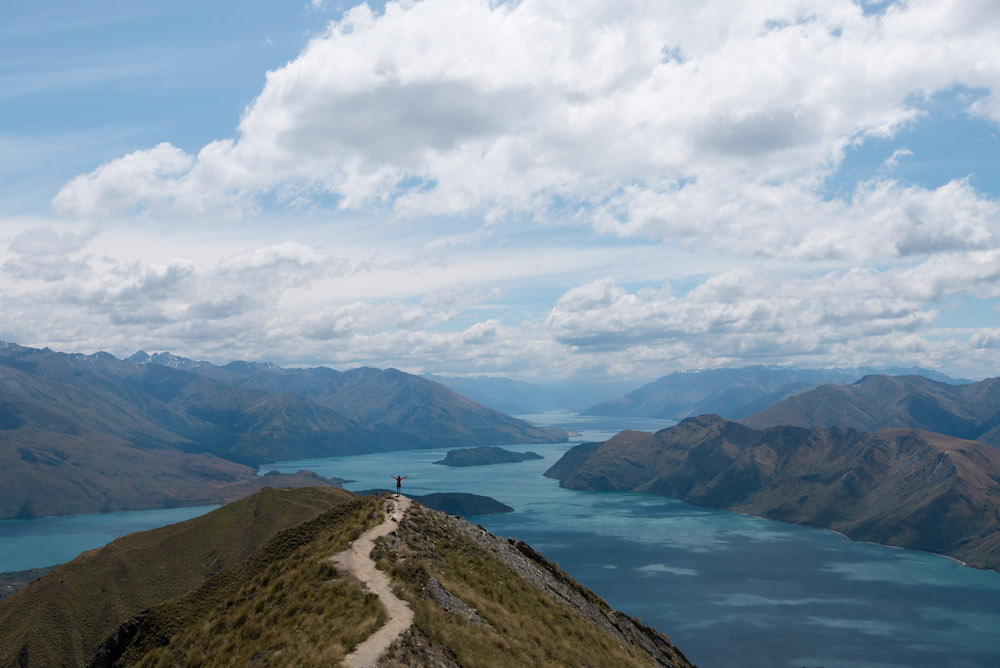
<point>286,604</point>
<point>525,627</point>
<point>62,618</point>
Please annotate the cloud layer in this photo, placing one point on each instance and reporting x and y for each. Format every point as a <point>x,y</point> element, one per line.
<point>713,129</point>
<point>669,120</point>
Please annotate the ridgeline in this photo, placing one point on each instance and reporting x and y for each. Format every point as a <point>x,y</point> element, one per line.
<point>253,583</point>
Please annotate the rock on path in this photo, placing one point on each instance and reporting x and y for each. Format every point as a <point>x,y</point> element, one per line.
<point>357,561</point>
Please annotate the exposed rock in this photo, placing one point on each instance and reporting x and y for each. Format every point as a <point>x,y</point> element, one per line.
<point>451,603</point>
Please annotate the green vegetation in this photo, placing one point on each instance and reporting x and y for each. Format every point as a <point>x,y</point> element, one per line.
<point>286,604</point>
<point>253,584</point>
<point>512,622</point>
<point>62,618</point>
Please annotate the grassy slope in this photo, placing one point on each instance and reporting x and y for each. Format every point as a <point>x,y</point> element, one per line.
<point>523,626</point>
<point>285,604</point>
<point>63,617</point>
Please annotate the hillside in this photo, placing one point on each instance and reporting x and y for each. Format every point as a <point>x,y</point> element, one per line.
<point>152,406</point>
<point>477,600</point>
<point>93,433</point>
<point>62,618</point>
<point>731,393</point>
<point>44,473</point>
<point>386,402</point>
<point>969,411</point>
<point>899,487</point>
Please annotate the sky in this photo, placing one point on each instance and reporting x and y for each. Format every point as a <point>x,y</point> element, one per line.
<point>544,189</point>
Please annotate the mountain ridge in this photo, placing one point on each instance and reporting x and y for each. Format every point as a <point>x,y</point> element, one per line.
<point>969,411</point>
<point>260,588</point>
<point>733,393</point>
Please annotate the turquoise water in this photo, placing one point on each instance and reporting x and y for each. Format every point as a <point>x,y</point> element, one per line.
<point>47,541</point>
<point>730,590</point>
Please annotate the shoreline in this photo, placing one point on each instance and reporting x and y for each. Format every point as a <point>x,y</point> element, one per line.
<point>990,569</point>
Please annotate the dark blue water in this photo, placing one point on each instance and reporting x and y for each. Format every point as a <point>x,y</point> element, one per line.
<point>730,590</point>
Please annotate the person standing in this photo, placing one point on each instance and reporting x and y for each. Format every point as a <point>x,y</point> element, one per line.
<point>399,482</point>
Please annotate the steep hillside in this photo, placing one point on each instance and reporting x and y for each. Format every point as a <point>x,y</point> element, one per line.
<point>392,405</point>
<point>92,433</point>
<point>732,393</point>
<point>898,487</point>
<point>477,600</point>
<point>44,473</point>
<point>62,618</point>
<point>970,411</point>
<point>153,406</point>
<point>390,400</point>
<point>480,600</point>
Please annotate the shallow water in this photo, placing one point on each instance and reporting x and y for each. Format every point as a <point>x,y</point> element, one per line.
<point>729,590</point>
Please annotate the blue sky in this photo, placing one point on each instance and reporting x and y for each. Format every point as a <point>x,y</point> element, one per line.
<point>540,189</point>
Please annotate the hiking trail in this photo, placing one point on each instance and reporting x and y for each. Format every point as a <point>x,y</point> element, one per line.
<point>357,561</point>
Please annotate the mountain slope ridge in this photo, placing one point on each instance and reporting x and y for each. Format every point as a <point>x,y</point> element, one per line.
<point>970,411</point>
<point>477,600</point>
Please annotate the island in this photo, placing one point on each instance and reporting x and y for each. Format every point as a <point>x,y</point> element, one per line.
<point>485,456</point>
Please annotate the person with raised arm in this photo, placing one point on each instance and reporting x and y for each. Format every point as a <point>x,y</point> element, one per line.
<point>399,482</point>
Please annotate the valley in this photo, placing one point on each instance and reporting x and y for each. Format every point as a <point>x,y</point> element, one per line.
<point>93,433</point>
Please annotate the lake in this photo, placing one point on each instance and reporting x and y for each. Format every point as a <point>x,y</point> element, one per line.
<point>46,541</point>
<point>728,589</point>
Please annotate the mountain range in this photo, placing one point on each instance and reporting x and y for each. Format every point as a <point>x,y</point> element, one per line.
<point>733,393</point>
<point>93,433</point>
<point>970,411</point>
<point>903,487</point>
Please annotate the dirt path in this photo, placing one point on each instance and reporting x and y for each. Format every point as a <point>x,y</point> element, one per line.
<point>356,561</point>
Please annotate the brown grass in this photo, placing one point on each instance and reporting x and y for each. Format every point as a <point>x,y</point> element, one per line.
<point>286,604</point>
<point>528,627</point>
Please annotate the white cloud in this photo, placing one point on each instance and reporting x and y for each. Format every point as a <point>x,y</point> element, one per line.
<point>858,315</point>
<point>681,142</point>
<point>715,122</point>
